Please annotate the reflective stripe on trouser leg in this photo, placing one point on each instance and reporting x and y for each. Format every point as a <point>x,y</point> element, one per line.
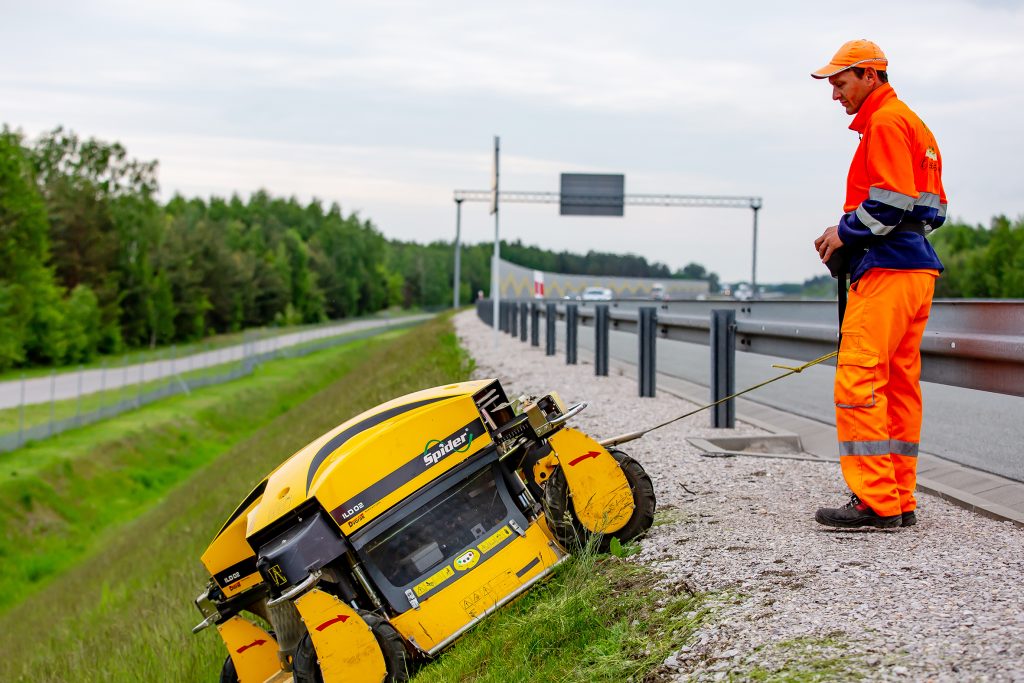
<point>882,307</point>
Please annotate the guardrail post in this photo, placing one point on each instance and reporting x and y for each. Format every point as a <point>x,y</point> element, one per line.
<point>503,316</point>
<point>723,367</point>
<point>601,340</point>
<point>551,319</point>
<point>513,319</point>
<point>534,324</point>
<point>572,323</point>
<point>523,312</point>
<point>648,322</point>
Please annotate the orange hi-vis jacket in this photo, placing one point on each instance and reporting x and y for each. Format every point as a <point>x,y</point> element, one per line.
<point>894,193</point>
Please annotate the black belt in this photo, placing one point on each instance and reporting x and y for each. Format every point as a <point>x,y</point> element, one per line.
<point>915,227</point>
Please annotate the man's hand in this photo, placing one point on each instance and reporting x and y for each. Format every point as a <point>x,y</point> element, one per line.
<point>828,243</point>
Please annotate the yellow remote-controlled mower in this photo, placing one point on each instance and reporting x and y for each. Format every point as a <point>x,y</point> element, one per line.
<point>377,545</point>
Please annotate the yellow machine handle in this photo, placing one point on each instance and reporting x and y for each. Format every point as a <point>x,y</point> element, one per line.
<point>600,491</point>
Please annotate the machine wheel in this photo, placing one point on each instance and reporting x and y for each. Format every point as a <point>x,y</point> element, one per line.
<point>227,672</point>
<point>396,657</point>
<point>566,526</point>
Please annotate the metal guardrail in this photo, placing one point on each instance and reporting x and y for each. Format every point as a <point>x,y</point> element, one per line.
<point>969,343</point>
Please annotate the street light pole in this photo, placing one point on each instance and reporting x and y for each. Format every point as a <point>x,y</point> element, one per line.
<point>458,253</point>
<point>755,204</point>
<point>495,282</point>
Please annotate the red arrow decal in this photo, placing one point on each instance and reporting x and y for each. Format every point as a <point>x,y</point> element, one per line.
<point>341,617</point>
<point>254,643</point>
<point>588,454</point>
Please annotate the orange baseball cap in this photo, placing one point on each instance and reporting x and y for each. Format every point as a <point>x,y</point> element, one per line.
<point>862,53</point>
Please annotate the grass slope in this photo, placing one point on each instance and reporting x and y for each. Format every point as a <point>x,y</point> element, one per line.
<point>125,613</point>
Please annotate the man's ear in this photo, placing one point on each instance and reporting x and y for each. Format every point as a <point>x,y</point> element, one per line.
<point>870,75</point>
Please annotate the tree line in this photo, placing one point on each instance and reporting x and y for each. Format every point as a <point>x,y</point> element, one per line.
<point>91,262</point>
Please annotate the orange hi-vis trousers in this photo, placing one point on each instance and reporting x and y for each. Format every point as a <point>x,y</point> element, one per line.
<point>877,390</point>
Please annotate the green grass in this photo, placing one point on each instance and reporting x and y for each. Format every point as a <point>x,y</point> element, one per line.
<point>61,496</point>
<point>600,618</point>
<point>125,613</point>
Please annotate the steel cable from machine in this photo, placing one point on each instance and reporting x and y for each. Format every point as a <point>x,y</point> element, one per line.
<point>631,436</point>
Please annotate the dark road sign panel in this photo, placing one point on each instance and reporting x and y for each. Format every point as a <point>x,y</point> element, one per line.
<point>592,194</point>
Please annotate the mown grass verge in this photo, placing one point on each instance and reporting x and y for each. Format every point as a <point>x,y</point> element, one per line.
<point>125,613</point>
<point>599,618</point>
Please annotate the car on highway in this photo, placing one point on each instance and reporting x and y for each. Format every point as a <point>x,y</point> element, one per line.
<point>597,294</point>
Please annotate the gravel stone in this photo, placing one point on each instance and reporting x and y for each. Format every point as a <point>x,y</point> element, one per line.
<point>940,601</point>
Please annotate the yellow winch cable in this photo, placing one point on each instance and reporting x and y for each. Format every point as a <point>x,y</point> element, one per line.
<point>623,438</point>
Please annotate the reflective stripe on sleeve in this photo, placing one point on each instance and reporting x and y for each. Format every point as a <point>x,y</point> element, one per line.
<point>894,199</point>
<point>884,204</point>
<point>871,223</point>
<point>942,210</point>
<point>863,448</point>
<point>907,448</point>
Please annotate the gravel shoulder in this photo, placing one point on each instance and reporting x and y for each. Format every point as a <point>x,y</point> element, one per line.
<point>791,600</point>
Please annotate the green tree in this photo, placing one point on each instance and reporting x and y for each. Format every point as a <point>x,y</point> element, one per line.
<point>31,316</point>
<point>83,324</point>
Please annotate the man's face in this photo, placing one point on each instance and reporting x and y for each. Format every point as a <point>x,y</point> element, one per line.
<point>850,90</point>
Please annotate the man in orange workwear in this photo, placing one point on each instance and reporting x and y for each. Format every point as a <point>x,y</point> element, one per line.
<point>894,197</point>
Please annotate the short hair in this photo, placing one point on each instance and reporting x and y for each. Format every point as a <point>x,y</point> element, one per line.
<point>859,70</point>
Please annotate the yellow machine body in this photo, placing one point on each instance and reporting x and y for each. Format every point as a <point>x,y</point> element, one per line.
<point>478,581</point>
<point>421,512</point>
<point>369,463</point>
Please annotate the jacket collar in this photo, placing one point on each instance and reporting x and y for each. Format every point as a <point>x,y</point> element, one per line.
<point>871,104</point>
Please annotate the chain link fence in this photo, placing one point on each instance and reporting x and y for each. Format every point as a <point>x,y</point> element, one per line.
<point>173,376</point>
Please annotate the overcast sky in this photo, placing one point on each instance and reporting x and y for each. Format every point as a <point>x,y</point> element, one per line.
<point>387,107</point>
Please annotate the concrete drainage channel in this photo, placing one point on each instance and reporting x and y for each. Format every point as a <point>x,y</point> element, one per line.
<point>782,446</point>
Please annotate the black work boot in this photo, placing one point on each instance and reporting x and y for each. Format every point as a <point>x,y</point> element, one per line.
<point>909,518</point>
<point>855,514</point>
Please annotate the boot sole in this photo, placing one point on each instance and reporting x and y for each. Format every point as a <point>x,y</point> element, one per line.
<point>878,523</point>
